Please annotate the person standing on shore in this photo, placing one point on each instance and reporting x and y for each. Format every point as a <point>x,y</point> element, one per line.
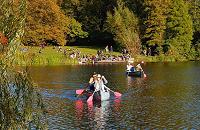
<point>106,49</point>
<point>111,49</point>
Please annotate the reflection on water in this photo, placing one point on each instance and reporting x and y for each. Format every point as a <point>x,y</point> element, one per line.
<point>101,114</point>
<point>168,98</point>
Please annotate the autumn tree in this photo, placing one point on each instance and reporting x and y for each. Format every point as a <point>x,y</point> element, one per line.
<point>45,22</point>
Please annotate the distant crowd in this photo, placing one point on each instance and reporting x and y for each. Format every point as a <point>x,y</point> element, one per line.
<point>102,55</point>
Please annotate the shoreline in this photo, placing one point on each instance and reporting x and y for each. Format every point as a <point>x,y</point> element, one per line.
<point>49,56</point>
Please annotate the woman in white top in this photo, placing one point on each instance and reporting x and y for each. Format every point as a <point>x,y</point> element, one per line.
<point>100,83</point>
<point>129,68</point>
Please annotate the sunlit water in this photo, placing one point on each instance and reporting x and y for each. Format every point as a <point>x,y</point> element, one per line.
<point>168,98</point>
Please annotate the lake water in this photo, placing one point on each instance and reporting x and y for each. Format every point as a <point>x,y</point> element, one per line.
<point>168,98</point>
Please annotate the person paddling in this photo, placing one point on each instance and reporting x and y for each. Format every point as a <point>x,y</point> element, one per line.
<point>130,68</point>
<point>91,82</point>
<point>139,68</point>
<point>100,83</point>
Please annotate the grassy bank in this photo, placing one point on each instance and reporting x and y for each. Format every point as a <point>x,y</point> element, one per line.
<point>27,55</point>
<point>54,56</point>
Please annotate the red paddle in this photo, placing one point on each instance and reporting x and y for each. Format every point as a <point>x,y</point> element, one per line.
<point>117,94</point>
<point>79,91</point>
<point>90,98</point>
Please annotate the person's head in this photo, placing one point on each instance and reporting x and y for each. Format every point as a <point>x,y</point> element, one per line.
<point>98,76</point>
<point>94,74</point>
<point>138,65</point>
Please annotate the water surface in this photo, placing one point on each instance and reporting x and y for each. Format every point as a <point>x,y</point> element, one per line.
<point>168,98</point>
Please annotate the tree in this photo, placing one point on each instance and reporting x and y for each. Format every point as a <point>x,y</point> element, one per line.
<point>45,22</point>
<point>179,28</point>
<point>21,106</point>
<point>195,14</point>
<point>155,23</point>
<point>75,29</point>
<point>123,24</point>
<point>91,14</point>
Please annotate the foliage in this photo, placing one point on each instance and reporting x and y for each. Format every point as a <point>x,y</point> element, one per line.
<point>45,22</point>
<point>167,26</point>
<point>123,24</point>
<point>21,106</point>
<point>76,29</point>
<point>3,39</point>
<point>155,23</point>
<point>90,13</point>
<point>195,14</point>
<point>179,28</point>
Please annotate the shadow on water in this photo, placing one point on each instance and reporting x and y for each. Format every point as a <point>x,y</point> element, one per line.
<point>168,98</point>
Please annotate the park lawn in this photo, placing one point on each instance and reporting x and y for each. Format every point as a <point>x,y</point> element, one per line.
<point>29,55</point>
<point>50,56</point>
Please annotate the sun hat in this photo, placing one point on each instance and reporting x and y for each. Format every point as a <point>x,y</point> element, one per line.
<point>94,74</point>
<point>99,76</point>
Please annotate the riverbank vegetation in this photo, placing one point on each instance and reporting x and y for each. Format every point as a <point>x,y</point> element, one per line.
<point>21,106</point>
<point>145,28</point>
<point>56,55</point>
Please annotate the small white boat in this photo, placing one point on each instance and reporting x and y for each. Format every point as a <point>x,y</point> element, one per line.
<point>105,95</point>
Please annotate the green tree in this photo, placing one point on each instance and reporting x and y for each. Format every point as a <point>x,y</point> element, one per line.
<point>155,23</point>
<point>179,28</point>
<point>123,24</point>
<point>195,14</point>
<point>91,14</point>
<point>75,30</point>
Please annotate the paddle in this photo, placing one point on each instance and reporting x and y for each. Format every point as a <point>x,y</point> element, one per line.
<point>144,74</point>
<point>117,94</point>
<point>79,91</point>
<point>91,97</point>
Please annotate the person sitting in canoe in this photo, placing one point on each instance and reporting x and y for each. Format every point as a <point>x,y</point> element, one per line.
<point>100,83</point>
<point>92,80</point>
<point>139,67</point>
<point>130,68</point>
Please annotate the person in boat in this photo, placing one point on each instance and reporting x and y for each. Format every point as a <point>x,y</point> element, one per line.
<point>139,68</point>
<point>130,68</point>
<point>91,82</point>
<point>100,83</point>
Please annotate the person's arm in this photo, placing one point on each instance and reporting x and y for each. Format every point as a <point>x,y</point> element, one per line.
<point>89,83</point>
<point>106,87</point>
<point>104,80</point>
<point>91,80</point>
